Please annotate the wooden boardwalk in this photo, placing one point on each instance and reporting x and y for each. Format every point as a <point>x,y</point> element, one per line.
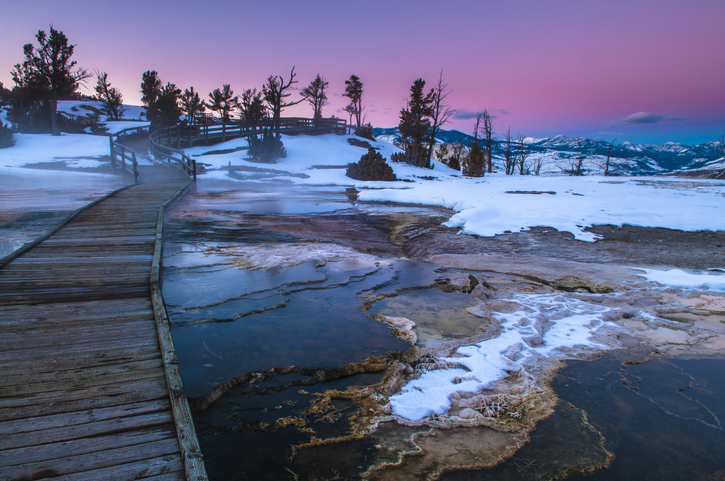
<point>83,389</point>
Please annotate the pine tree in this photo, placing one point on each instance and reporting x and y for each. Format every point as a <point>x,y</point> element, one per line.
<point>192,105</point>
<point>223,101</point>
<point>167,105</point>
<point>252,107</point>
<point>315,95</point>
<point>475,165</point>
<point>415,124</point>
<point>150,93</point>
<point>49,68</point>
<point>110,97</point>
<point>354,91</point>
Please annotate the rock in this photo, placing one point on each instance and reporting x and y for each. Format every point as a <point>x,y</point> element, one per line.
<point>574,284</point>
<point>463,283</point>
<point>468,413</point>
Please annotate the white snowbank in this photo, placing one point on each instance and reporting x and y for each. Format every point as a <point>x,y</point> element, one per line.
<point>496,203</point>
<point>545,326</point>
<point>113,127</point>
<point>37,148</point>
<point>680,278</point>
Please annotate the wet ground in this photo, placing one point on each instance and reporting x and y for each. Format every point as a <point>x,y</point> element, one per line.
<point>283,298</point>
<point>32,204</point>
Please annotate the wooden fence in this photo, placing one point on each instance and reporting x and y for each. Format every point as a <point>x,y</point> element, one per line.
<point>124,158</point>
<point>168,142</point>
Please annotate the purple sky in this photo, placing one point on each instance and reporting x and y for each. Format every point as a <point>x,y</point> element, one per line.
<point>638,70</point>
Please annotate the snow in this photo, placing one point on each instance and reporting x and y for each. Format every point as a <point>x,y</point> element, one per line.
<point>83,107</point>
<point>36,148</point>
<point>114,126</point>
<point>524,340</point>
<point>680,278</point>
<point>485,206</point>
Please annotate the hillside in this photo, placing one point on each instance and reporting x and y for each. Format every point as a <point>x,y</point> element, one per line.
<point>558,152</point>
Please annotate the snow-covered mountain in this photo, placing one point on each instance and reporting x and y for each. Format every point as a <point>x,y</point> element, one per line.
<point>560,152</point>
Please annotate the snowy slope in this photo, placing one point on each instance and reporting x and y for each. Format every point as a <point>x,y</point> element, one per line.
<point>559,152</point>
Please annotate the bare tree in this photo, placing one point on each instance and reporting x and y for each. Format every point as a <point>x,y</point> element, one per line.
<point>522,155</point>
<point>315,95</point>
<point>537,165</point>
<point>609,155</point>
<point>440,113</point>
<point>575,166</point>
<point>487,131</point>
<point>508,154</point>
<point>275,91</point>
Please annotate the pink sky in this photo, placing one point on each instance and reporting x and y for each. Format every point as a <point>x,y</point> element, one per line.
<point>643,71</point>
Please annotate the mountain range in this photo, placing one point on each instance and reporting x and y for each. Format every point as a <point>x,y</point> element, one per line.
<point>560,152</point>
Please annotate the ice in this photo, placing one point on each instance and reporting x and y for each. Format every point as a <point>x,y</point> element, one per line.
<point>680,278</point>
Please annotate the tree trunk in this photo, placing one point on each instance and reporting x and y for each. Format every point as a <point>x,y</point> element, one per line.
<point>54,113</point>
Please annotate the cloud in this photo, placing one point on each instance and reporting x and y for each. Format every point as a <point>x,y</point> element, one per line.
<point>648,118</point>
<point>503,111</point>
<point>464,114</point>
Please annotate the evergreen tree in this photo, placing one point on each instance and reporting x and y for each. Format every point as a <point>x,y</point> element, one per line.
<point>192,105</point>
<point>150,93</point>
<point>354,91</point>
<point>252,107</point>
<point>110,97</point>
<point>315,95</point>
<point>415,124</point>
<point>49,68</point>
<point>223,101</point>
<point>167,105</point>
<point>475,164</point>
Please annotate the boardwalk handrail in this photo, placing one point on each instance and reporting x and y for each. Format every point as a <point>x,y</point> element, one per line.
<point>120,153</point>
<point>167,142</point>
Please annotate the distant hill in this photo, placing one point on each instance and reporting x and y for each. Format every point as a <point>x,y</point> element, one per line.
<point>557,153</point>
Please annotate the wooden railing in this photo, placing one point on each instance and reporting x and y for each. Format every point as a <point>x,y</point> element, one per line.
<point>124,158</point>
<point>168,142</point>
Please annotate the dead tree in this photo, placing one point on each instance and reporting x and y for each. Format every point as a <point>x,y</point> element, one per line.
<point>575,166</point>
<point>440,113</point>
<point>522,155</point>
<point>508,155</point>
<point>487,131</point>
<point>275,93</point>
<point>609,155</point>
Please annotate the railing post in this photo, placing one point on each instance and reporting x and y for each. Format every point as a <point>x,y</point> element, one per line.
<point>206,132</point>
<point>224,132</point>
<point>178,137</point>
<point>113,153</point>
<point>135,168</point>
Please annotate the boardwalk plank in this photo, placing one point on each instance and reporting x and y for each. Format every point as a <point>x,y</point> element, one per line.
<point>84,393</point>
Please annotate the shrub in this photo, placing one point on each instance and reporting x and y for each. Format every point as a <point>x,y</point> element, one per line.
<point>6,136</point>
<point>476,162</point>
<point>371,166</point>
<point>268,148</point>
<point>365,131</point>
<point>398,157</point>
